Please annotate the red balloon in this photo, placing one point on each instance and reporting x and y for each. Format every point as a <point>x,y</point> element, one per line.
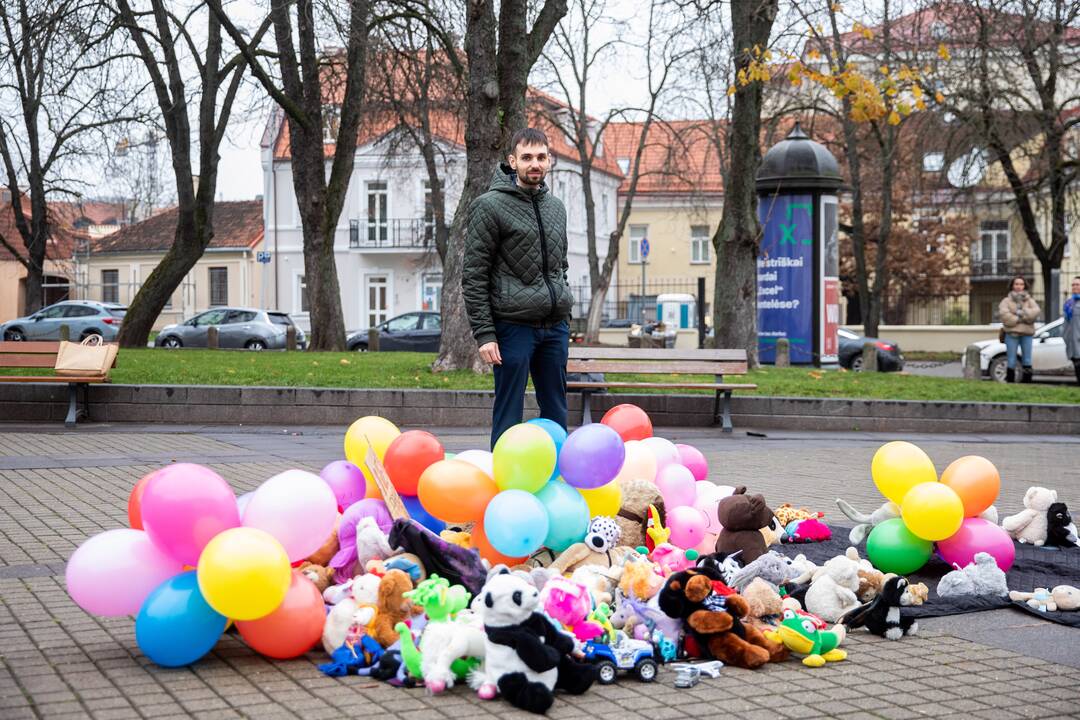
<point>630,421</point>
<point>292,629</point>
<point>409,455</point>
<point>135,502</point>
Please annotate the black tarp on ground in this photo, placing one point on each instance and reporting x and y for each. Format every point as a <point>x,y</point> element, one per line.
<point>1034,567</point>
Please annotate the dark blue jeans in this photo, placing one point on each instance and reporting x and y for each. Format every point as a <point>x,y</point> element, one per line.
<point>527,350</point>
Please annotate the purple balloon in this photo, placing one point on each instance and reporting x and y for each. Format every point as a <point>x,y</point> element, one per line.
<point>592,456</point>
<point>345,558</point>
<point>974,536</point>
<point>347,482</point>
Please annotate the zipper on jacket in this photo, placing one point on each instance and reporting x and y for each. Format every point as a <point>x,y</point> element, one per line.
<point>543,254</point>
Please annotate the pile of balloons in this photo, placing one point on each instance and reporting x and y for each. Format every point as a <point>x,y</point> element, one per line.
<point>540,486</point>
<point>945,513</point>
<point>196,557</point>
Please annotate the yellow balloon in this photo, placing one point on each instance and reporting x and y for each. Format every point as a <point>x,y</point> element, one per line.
<point>639,463</point>
<point>899,466</point>
<point>604,500</point>
<point>380,432</point>
<point>932,511</point>
<point>244,573</point>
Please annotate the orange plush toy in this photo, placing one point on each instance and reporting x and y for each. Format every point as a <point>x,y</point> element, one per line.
<point>392,607</point>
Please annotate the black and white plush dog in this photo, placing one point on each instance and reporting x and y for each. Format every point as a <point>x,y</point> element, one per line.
<point>882,615</point>
<point>1060,530</point>
<point>525,656</point>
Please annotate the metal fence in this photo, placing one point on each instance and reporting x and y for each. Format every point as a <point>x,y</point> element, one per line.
<point>629,303</point>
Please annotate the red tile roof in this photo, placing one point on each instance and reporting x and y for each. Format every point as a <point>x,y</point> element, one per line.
<point>62,240</point>
<point>237,225</point>
<point>680,157</point>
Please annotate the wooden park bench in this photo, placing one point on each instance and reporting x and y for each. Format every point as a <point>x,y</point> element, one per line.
<point>717,363</point>
<point>43,355</point>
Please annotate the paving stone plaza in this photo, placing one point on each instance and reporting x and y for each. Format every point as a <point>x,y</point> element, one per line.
<point>57,488</point>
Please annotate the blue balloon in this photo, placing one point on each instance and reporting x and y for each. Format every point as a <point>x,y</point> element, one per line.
<point>515,523</point>
<point>558,434</point>
<point>176,626</point>
<point>422,516</point>
<point>568,515</point>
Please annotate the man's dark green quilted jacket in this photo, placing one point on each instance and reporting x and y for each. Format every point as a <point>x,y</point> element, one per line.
<point>515,258</point>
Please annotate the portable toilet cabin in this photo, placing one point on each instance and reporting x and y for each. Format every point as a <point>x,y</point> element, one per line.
<point>676,310</point>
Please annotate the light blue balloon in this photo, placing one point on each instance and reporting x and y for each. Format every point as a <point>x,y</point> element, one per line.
<point>558,434</point>
<point>515,523</point>
<point>176,626</point>
<point>568,515</point>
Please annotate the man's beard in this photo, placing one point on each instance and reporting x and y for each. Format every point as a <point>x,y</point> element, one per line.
<point>532,181</point>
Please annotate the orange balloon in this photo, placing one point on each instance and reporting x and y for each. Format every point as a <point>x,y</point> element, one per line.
<point>480,542</point>
<point>292,629</point>
<point>975,480</point>
<point>455,491</point>
<point>135,502</point>
<point>409,456</point>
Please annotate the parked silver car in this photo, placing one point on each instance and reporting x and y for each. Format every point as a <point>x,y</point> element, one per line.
<point>237,328</point>
<point>1047,353</point>
<point>83,318</point>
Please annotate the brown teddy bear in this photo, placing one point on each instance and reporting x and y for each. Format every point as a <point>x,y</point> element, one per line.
<point>392,607</point>
<point>322,577</point>
<point>715,621</point>
<point>742,517</point>
<point>762,601</point>
<point>633,517</point>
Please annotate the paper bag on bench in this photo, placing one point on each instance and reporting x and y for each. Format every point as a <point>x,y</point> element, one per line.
<point>90,357</point>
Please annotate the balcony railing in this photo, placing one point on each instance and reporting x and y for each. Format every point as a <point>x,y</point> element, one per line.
<point>1001,268</point>
<point>401,233</point>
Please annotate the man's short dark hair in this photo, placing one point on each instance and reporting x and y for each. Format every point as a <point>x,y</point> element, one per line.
<point>527,136</point>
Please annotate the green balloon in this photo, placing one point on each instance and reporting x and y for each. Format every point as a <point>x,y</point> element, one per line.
<point>892,548</point>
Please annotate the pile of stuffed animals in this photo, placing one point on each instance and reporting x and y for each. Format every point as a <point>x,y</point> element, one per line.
<point>419,608</point>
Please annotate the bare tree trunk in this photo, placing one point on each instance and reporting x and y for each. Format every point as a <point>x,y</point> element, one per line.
<point>500,53</point>
<point>738,238</point>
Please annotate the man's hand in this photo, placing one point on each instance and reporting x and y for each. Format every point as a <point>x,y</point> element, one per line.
<point>489,353</point>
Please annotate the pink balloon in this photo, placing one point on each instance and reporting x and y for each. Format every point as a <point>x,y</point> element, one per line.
<point>346,481</point>
<point>708,497</point>
<point>974,536</point>
<point>677,485</point>
<point>112,573</point>
<point>184,506</point>
<point>296,507</point>
<point>687,525</point>
<point>707,545</point>
<point>692,458</point>
<point>665,451</point>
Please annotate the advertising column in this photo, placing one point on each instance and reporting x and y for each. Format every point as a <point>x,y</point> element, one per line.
<point>785,277</point>
<point>830,272</point>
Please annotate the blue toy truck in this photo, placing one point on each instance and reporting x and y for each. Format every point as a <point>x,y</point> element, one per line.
<point>626,654</point>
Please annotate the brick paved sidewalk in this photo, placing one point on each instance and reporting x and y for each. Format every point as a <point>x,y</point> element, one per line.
<point>58,488</point>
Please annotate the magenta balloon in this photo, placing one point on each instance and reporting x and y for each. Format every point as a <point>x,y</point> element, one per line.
<point>591,456</point>
<point>184,506</point>
<point>974,536</point>
<point>665,451</point>
<point>676,483</point>
<point>298,508</point>
<point>687,525</point>
<point>113,572</point>
<point>694,460</point>
<point>346,480</point>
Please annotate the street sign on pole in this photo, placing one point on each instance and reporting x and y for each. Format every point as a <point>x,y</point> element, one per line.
<point>644,257</point>
<point>263,256</point>
<point>644,248</point>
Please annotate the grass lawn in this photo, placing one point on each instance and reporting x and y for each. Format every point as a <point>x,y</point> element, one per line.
<point>410,370</point>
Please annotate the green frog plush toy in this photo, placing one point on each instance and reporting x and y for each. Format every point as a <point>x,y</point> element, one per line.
<point>805,634</point>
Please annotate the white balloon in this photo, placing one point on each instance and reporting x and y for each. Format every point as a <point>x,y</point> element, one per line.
<point>479,458</point>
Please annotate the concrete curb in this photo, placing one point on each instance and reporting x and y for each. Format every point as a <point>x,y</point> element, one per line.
<point>190,404</point>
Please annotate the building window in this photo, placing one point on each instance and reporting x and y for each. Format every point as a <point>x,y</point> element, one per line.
<point>431,292</point>
<point>429,214</point>
<point>993,248</point>
<point>301,293</point>
<point>219,286</point>
<point>699,244</point>
<point>378,224</point>
<point>637,234</point>
<point>110,286</point>
<point>624,165</point>
<point>933,162</point>
<point>604,206</point>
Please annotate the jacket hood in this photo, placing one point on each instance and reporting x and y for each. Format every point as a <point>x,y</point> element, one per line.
<point>504,179</point>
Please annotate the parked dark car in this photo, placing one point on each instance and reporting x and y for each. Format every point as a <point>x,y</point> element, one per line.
<point>247,328</point>
<point>83,318</point>
<point>889,356</point>
<point>415,331</point>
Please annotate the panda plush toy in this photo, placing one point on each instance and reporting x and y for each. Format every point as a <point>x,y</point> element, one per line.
<point>525,657</point>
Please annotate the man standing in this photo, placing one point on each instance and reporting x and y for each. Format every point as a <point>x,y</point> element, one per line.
<point>515,285</point>
<point>1072,327</point>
